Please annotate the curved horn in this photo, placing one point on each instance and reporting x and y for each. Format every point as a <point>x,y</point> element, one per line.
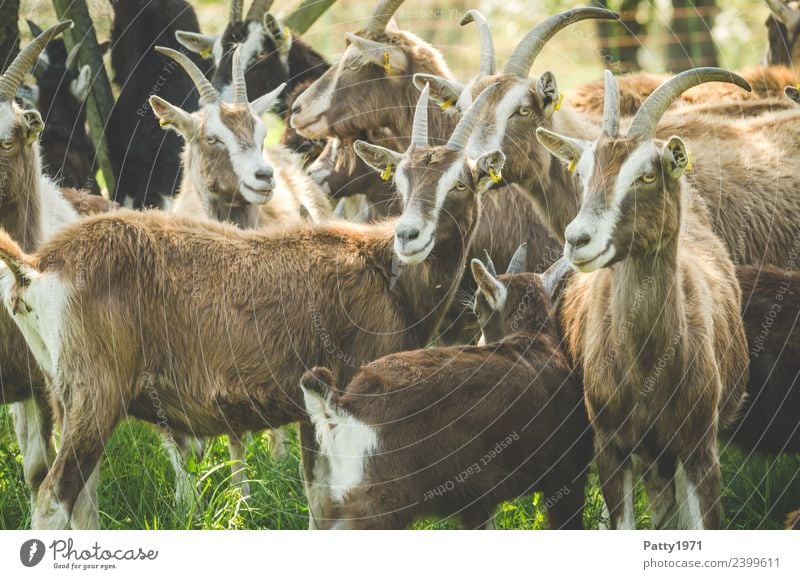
<point>419,131</point>
<point>489,263</point>
<point>381,15</point>
<point>654,107</point>
<point>258,8</point>
<point>518,260</point>
<point>12,78</point>
<point>531,44</point>
<point>236,11</point>
<point>553,278</point>
<point>611,105</point>
<point>458,140</point>
<point>208,94</point>
<point>239,82</point>
<point>72,56</point>
<point>487,46</point>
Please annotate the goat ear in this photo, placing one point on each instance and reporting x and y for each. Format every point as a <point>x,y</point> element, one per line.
<point>265,102</point>
<point>443,92</point>
<point>201,44</point>
<point>32,125</point>
<point>492,289</point>
<point>381,159</point>
<point>389,57</point>
<point>280,34</point>
<point>567,149</point>
<point>675,157</point>
<point>81,86</point>
<point>793,93</point>
<point>172,117</point>
<point>547,94</point>
<point>489,169</point>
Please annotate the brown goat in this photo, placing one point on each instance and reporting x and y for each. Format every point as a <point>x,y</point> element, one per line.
<point>767,83</point>
<point>339,295</point>
<point>771,313</point>
<point>658,337</point>
<point>452,432</point>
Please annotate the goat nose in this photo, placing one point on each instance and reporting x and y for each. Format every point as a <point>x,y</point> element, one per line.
<point>263,175</point>
<point>578,236</point>
<point>406,234</point>
<point>295,108</point>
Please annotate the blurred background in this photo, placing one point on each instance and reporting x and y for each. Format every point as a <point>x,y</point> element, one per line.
<point>655,35</point>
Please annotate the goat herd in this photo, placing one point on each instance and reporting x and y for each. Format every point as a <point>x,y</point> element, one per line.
<point>247,303</point>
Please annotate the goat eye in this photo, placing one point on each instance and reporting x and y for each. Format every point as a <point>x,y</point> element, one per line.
<point>212,140</point>
<point>524,110</point>
<point>7,145</point>
<point>354,65</point>
<point>648,177</point>
<point>262,54</point>
<point>460,186</point>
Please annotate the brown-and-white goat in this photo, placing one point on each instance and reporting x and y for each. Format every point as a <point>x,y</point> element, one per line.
<point>751,210</point>
<point>33,209</point>
<point>654,322</point>
<point>452,432</point>
<point>229,174</point>
<point>337,295</point>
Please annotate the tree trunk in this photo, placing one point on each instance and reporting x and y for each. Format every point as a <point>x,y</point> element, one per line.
<point>690,44</point>
<point>101,99</point>
<point>306,14</point>
<point>9,31</point>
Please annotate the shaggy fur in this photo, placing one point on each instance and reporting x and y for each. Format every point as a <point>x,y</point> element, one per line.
<point>461,429</point>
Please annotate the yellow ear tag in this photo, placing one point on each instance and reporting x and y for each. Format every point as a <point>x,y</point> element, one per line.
<point>446,104</point>
<point>387,66</point>
<point>495,177</point>
<point>163,123</point>
<point>387,172</point>
<point>688,160</point>
<point>558,102</point>
<point>206,53</point>
<point>572,165</point>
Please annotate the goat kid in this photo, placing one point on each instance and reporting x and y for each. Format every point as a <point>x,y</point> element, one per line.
<point>453,432</point>
<point>391,288</point>
<point>654,323</point>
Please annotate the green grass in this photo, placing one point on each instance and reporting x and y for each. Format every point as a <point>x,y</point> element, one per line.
<point>137,489</point>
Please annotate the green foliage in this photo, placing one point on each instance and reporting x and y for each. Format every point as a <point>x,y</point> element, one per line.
<point>137,489</point>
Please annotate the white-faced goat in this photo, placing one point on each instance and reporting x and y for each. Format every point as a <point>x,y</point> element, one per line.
<point>229,175</point>
<point>452,432</point>
<point>271,55</point>
<point>337,295</point>
<point>227,178</point>
<point>385,59</point>
<point>33,209</point>
<point>728,175</point>
<point>658,337</point>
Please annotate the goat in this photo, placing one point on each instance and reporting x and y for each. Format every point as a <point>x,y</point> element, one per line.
<point>272,55</point>
<point>385,59</point>
<point>227,179</point>
<point>771,314</point>
<point>341,292</point>
<point>455,431</point>
<point>227,176</point>
<point>144,159</point>
<point>33,210</point>
<point>754,232</point>
<point>68,154</point>
<point>783,30</point>
<point>767,83</point>
<point>659,337</point>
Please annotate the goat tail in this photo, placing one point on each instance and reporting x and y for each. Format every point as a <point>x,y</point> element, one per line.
<point>19,266</point>
<point>319,386</point>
